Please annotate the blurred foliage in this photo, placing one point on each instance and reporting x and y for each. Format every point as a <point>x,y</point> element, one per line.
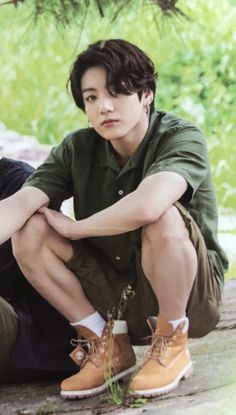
<point>195,58</point>
<point>66,12</point>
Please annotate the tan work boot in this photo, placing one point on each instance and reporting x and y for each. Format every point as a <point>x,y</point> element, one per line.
<point>168,361</point>
<point>109,358</point>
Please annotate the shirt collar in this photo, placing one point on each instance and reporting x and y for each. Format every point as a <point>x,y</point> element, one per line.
<point>107,159</point>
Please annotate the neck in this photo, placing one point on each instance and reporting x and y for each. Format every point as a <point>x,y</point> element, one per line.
<point>125,147</point>
<point>121,160</point>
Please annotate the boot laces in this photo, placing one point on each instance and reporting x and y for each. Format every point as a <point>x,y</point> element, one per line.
<point>160,347</point>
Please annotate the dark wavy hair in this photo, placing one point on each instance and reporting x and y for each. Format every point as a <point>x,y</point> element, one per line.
<point>127,67</point>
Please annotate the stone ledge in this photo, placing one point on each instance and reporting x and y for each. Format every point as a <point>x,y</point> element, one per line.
<point>210,391</point>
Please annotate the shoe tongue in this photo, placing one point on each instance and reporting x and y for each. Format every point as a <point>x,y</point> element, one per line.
<point>86,333</point>
<point>163,327</point>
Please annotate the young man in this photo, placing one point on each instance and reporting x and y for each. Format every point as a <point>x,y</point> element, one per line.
<point>145,216</point>
<point>35,338</point>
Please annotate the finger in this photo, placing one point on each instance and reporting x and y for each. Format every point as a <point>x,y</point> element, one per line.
<point>43,210</point>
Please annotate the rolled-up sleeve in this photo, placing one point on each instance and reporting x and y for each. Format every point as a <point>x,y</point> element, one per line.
<point>184,153</point>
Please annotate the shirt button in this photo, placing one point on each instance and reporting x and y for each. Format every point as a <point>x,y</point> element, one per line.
<point>118,258</point>
<point>120,192</point>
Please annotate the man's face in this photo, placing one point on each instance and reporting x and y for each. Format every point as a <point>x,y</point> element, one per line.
<point>114,117</point>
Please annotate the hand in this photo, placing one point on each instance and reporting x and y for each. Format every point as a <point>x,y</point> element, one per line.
<point>61,223</point>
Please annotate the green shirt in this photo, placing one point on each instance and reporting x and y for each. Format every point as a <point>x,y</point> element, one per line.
<point>84,166</point>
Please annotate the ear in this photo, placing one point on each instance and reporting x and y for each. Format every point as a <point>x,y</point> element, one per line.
<point>147,96</point>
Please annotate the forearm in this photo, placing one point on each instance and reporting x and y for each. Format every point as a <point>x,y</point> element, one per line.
<point>16,210</point>
<point>126,215</point>
<point>144,205</point>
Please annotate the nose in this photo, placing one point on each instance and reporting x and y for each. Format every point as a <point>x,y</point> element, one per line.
<point>106,105</point>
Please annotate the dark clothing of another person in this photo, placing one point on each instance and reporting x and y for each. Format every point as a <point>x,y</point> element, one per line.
<point>43,339</point>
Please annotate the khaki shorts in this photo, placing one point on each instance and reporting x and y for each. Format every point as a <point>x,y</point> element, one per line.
<point>103,285</point>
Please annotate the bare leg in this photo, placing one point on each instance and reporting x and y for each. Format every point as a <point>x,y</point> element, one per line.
<point>169,262</point>
<point>41,254</point>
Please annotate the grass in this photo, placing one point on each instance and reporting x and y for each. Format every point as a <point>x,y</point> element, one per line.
<point>118,394</point>
<point>47,409</point>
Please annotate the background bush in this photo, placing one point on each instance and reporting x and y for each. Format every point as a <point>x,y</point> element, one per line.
<point>195,58</point>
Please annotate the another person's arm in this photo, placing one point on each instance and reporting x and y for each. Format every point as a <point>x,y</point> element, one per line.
<point>18,208</point>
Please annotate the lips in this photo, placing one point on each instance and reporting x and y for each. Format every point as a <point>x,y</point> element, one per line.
<point>108,122</point>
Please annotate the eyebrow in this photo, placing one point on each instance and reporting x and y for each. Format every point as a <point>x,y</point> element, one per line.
<point>88,90</point>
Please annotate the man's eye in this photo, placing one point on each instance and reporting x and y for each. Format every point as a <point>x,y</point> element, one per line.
<point>90,98</point>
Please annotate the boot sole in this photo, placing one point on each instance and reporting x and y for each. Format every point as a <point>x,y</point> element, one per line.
<point>148,393</point>
<point>75,394</point>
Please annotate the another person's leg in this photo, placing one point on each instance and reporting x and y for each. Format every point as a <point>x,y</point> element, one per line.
<point>42,255</point>
<point>13,173</point>
<point>8,333</point>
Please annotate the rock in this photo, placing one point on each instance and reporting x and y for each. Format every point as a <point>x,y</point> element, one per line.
<point>22,147</point>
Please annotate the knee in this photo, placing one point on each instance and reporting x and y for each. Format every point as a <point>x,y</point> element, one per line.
<point>8,332</point>
<point>168,230</point>
<point>28,241</point>
<point>8,316</point>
